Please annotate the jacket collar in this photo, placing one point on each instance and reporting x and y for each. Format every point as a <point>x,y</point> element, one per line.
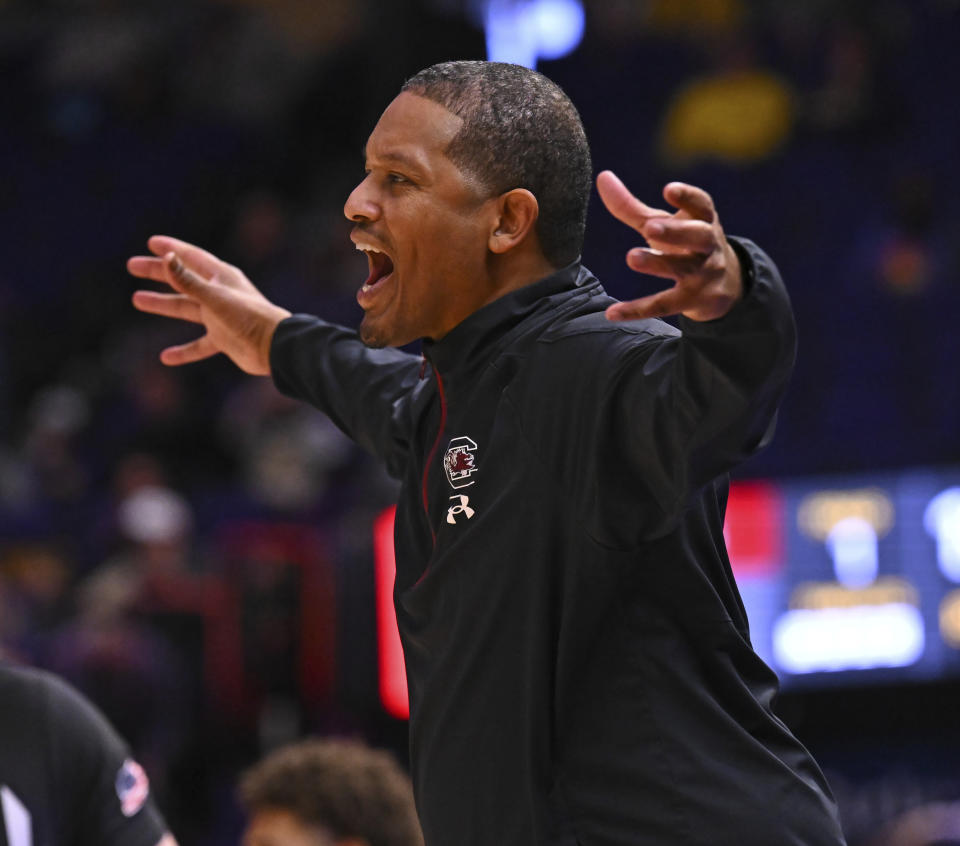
<point>480,337</point>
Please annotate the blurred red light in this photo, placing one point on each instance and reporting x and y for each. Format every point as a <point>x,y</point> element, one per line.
<point>753,529</point>
<point>393,672</point>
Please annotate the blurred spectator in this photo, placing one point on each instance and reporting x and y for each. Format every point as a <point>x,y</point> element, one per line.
<point>693,18</point>
<point>288,452</point>
<point>240,65</point>
<point>307,25</point>
<point>329,793</point>
<point>911,254</point>
<point>846,100</point>
<point>157,411</point>
<point>260,232</point>
<point>855,97</point>
<point>125,666</point>
<point>900,280</point>
<point>34,580</point>
<point>102,55</point>
<point>738,113</point>
<point>58,414</point>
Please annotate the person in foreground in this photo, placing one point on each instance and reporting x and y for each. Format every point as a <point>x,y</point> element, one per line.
<point>328,793</point>
<point>66,777</point>
<point>578,657</point>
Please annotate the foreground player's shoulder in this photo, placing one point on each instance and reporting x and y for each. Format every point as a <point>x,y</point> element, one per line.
<point>20,687</point>
<point>22,722</point>
<point>31,702</point>
<point>104,792</point>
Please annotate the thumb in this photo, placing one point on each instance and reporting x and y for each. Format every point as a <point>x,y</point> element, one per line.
<point>622,204</point>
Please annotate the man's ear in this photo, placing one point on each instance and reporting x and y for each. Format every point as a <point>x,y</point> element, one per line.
<point>517,213</point>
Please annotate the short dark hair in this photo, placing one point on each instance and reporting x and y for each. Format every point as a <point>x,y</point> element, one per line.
<point>342,786</point>
<point>519,131</point>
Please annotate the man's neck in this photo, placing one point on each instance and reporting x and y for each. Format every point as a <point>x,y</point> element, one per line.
<point>509,273</point>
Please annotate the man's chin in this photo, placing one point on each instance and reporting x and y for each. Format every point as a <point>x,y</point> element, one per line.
<point>372,340</point>
<point>377,336</point>
<point>373,336</point>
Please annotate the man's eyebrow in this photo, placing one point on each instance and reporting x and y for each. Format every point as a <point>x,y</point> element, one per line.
<point>399,157</point>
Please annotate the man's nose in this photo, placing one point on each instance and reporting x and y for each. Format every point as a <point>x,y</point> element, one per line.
<point>360,204</point>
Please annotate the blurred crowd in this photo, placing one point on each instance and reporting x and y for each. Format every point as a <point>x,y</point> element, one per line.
<point>192,549</point>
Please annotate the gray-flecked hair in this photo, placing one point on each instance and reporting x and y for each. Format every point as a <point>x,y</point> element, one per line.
<point>519,131</point>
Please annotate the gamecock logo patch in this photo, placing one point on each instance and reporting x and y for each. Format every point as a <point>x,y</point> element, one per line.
<point>459,462</point>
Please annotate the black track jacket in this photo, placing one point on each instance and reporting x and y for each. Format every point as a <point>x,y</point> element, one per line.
<point>578,659</point>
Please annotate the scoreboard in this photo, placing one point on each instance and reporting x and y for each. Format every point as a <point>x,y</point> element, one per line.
<point>851,579</point>
<point>846,579</point>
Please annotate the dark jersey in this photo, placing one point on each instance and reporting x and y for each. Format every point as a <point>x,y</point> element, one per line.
<point>578,657</point>
<point>66,778</point>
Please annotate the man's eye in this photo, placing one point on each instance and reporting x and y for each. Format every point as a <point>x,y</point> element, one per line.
<point>397,178</point>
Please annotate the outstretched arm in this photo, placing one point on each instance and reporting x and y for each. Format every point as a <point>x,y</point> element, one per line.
<point>688,246</point>
<point>309,359</point>
<point>686,407</point>
<point>238,319</point>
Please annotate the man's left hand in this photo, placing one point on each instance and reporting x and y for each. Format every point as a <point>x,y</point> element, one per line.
<point>687,246</point>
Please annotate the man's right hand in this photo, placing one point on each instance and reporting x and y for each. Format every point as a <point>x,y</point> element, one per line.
<point>239,320</point>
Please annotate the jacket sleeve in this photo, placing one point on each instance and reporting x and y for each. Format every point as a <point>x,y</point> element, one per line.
<point>364,391</point>
<point>686,409</point>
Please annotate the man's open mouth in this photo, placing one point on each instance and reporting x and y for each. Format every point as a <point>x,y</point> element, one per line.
<point>381,268</point>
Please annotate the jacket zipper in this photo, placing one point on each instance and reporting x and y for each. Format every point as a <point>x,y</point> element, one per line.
<point>433,452</point>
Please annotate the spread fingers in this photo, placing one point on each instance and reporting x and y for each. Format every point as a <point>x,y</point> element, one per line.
<point>657,263</point>
<point>672,233</point>
<point>168,305</point>
<point>187,353</point>
<point>693,200</point>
